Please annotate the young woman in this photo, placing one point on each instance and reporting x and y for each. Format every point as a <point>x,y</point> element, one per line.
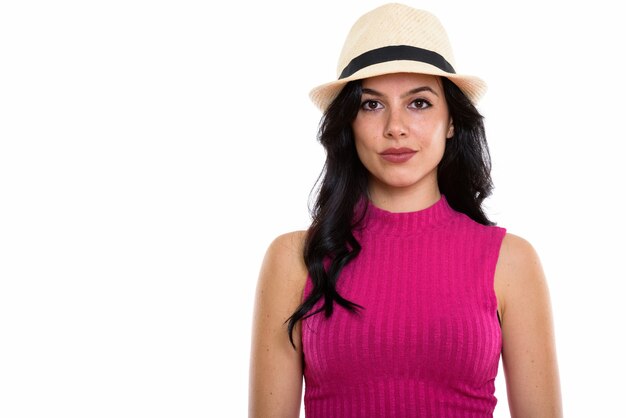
<point>401,296</point>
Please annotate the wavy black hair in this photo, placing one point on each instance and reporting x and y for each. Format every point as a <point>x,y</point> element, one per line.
<point>464,177</point>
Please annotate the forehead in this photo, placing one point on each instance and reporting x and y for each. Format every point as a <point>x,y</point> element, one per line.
<point>402,81</point>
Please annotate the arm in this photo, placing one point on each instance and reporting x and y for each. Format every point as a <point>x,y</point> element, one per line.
<point>275,367</point>
<point>528,353</point>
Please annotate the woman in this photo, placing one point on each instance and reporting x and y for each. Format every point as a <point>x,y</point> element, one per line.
<point>401,296</point>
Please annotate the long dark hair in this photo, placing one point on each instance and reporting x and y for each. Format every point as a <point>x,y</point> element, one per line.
<point>464,177</point>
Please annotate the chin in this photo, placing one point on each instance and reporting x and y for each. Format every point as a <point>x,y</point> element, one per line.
<point>407,180</point>
<point>401,183</point>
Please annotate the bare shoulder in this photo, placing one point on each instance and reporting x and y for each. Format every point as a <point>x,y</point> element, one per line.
<point>528,348</point>
<point>517,259</point>
<point>283,272</point>
<point>288,244</point>
<point>275,367</point>
<point>519,273</point>
<point>516,251</point>
<point>286,252</point>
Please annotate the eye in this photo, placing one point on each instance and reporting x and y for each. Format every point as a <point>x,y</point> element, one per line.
<point>370,105</point>
<point>420,103</point>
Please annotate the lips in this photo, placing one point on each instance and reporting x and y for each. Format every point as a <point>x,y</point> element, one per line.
<point>397,155</point>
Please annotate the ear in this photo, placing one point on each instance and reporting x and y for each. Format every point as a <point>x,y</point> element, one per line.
<point>450,133</point>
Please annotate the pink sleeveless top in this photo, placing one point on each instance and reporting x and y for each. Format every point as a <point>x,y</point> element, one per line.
<point>428,341</point>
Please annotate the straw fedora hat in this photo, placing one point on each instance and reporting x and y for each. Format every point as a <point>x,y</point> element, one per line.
<point>395,38</point>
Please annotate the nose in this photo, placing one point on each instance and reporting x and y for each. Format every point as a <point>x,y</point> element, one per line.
<point>396,126</point>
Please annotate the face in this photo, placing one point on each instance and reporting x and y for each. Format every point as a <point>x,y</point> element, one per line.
<point>400,133</point>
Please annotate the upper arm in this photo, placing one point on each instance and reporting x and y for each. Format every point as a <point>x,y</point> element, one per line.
<point>528,347</point>
<point>275,367</point>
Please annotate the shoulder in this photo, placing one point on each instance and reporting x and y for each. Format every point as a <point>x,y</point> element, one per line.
<point>275,367</point>
<point>283,272</point>
<point>519,274</point>
<point>293,240</point>
<point>528,348</point>
<point>516,252</point>
<point>287,249</point>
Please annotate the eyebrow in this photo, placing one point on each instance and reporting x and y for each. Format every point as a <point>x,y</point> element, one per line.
<point>408,93</point>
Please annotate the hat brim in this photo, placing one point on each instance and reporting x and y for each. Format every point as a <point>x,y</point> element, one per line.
<point>473,87</point>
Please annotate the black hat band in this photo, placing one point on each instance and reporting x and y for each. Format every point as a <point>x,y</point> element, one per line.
<point>396,53</point>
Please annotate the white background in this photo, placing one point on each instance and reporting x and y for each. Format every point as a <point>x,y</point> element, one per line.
<point>150,152</point>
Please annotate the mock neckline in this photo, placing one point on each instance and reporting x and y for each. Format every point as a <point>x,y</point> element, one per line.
<point>401,223</point>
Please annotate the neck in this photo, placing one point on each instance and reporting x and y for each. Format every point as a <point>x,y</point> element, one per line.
<point>404,199</point>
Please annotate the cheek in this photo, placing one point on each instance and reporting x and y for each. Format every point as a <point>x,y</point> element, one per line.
<point>362,142</point>
<point>436,137</point>
<point>362,151</point>
<point>438,148</point>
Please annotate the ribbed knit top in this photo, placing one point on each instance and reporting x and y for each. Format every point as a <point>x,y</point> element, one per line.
<point>428,341</point>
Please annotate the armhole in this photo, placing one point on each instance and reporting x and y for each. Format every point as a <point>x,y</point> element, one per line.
<point>497,246</point>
